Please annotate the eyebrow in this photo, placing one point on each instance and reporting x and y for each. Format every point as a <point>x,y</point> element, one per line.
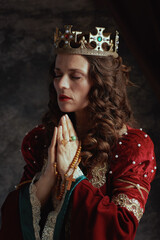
<point>73,70</point>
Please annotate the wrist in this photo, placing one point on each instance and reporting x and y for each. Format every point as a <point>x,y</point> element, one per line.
<point>44,187</point>
<point>48,179</point>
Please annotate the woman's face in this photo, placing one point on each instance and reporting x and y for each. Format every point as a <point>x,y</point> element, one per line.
<point>71,82</point>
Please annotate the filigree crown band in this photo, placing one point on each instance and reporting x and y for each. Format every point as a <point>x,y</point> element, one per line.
<point>75,42</point>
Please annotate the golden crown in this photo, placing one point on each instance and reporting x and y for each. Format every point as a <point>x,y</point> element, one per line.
<point>75,42</point>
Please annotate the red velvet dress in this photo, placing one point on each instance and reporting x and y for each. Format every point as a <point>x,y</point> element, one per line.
<point>109,212</point>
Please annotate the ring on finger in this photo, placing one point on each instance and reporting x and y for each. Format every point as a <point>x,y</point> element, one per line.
<point>73,138</point>
<point>64,142</point>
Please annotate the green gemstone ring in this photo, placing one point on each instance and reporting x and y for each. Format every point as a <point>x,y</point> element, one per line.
<point>73,138</point>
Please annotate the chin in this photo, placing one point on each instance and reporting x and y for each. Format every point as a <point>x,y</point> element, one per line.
<point>70,108</point>
<point>66,109</point>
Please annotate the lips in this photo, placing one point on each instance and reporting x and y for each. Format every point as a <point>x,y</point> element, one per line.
<point>63,97</point>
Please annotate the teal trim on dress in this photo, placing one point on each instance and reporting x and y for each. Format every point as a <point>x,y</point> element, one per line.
<point>61,215</point>
<point>26,218</point>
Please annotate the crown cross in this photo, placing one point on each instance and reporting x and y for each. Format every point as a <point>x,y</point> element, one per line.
<point>67,36</point>
<point>99,38</point>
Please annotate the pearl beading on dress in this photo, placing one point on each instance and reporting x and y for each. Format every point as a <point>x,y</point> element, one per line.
<point>133,162</point>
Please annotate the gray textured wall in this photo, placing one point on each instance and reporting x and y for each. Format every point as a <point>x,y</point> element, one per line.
<point>26,31</point>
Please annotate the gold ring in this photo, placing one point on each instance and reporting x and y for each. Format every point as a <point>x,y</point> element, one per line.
<point>64,142</point>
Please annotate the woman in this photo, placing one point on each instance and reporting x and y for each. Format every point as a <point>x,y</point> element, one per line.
<point>88,172</point>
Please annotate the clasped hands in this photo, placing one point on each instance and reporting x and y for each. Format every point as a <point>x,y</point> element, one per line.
<point>62,153</point>
<point>62,149</point>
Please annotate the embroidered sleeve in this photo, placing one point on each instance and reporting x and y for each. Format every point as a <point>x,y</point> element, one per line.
<point>130,204</point>
<point>133,204</point>
<point>131,184</point>
<point>49,227</point>
<point>36,208</point>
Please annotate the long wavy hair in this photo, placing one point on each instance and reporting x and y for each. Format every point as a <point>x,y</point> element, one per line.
<point>108,109</point>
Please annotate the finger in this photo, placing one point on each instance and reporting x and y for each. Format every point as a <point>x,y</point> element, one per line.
<point>70,127</point>
<point>65,132</point>
<point>51,149</point>
<point>59,134</point>
<point>54,138</point>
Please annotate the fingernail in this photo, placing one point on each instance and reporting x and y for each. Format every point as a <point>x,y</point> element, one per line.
<point>66,116</point>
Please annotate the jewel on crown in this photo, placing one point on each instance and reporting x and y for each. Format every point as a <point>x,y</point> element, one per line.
<point>75,42</point>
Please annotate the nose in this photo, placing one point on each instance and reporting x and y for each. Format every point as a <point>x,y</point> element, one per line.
<point>63,82</point>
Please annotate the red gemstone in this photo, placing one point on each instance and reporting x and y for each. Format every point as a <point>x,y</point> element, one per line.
<point>66,36</point>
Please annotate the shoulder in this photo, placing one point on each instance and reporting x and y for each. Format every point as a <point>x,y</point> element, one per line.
<point>135,152</point>
<point>35,135</point>
<point>135,141</point>
<point>138,135</point>
<point>33,143</point>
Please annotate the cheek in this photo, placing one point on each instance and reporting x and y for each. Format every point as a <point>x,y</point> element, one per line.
<point>85,89</point>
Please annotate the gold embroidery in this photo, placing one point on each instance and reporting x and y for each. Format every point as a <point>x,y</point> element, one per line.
<point>133,185</point>
<point>49,227</point>
<point>22,183</point>
<point>52,216</point>
<point>99,176</point>
<point>36,205</point>
<point>48,230</point>
<point>131,205</point>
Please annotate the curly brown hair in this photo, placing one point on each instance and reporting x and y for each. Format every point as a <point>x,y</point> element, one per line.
<point>108,109</point>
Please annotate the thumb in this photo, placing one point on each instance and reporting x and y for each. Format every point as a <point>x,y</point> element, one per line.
<point>54,138</point>
<point>51,150</point>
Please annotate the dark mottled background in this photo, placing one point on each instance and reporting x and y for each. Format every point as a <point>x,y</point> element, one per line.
<point>26,34</point>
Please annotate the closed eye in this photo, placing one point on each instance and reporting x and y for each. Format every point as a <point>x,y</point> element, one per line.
<point>75,77</point>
